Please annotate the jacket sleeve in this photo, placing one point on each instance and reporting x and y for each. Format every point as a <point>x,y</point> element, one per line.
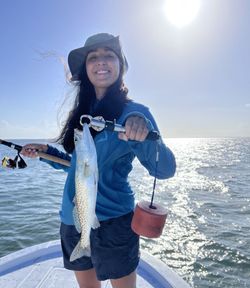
<point>146,151</point>
<point>55,152</point>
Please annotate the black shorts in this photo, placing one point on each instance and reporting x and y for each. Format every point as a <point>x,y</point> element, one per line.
<point>114,248</point>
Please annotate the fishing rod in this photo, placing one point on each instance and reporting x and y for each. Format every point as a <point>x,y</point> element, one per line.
<point>97,123</point>
<point>12,163</point>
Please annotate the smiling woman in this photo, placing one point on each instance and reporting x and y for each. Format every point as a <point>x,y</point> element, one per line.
<point>103,69</point>
<point>181,12</point>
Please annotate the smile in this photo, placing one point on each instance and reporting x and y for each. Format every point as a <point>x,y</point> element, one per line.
<point>102,72</point>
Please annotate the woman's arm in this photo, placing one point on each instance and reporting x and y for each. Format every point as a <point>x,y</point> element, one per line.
<point>137,126</point>
<point>32,151</point>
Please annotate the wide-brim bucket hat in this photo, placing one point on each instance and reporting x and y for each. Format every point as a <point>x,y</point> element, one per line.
<point>77,57</point>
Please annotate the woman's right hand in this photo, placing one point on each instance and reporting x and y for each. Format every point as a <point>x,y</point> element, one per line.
<point>31,150</point>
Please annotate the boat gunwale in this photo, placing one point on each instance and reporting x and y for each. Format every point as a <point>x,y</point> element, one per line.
<point>151,269</point>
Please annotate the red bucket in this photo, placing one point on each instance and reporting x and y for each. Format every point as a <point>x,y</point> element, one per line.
<point>148,221</point>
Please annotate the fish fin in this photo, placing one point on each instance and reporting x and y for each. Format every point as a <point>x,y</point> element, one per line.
<point>96,177</point>
<point>95,223</point>
<point>79,252</point>
<point>87,170</point>
<point>76,220</point>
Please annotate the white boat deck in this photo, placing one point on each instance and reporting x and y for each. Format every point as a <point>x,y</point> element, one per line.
<point>41,266</point>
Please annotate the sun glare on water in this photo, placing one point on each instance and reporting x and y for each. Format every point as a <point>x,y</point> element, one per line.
<point>181,12</point>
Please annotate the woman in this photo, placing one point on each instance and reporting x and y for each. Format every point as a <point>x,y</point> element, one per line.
<point>98,67</point>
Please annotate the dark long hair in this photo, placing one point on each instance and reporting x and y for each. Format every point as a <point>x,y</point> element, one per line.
<point>110,107</point>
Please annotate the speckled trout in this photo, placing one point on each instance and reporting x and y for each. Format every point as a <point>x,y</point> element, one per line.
<point>86,179</point>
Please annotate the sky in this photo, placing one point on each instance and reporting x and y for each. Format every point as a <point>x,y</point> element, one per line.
<point>195,79</point>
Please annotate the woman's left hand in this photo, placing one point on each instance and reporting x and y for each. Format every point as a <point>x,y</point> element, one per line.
<point>136,129</point>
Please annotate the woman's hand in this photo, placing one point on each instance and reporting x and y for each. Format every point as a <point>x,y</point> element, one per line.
<point>31,150</point>
<point>136,129</point>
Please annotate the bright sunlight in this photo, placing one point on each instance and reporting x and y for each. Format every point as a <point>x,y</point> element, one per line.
<point>181,12</point>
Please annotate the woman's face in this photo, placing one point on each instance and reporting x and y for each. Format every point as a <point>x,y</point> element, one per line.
<point>103,69</point>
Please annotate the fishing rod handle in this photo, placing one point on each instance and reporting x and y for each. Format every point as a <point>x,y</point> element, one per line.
<point>53,158</point>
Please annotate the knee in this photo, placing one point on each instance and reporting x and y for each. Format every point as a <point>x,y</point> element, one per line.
<point>87,279</point>
<point>89,285</point>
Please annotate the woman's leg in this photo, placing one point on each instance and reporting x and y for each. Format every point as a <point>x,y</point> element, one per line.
<point>125,282</point>
<point>83,267</point>
<point>87,279</point>
<point>115,251</point>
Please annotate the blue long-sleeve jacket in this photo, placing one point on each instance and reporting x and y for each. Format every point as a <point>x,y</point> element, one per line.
<point>115,196</point>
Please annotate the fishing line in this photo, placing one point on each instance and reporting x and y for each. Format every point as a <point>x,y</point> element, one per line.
<point>156,168</point>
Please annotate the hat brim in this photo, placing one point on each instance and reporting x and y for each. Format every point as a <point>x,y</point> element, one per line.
<point>77,57</point>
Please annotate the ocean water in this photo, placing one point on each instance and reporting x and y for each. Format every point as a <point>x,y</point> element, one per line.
<point>206,239</point>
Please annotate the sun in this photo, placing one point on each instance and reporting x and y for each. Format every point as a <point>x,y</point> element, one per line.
<point>181,12</point>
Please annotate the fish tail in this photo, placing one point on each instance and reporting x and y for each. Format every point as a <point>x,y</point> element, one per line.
<point>79,252</point>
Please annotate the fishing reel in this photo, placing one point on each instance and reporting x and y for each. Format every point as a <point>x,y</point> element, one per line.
<point>17,162</point>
